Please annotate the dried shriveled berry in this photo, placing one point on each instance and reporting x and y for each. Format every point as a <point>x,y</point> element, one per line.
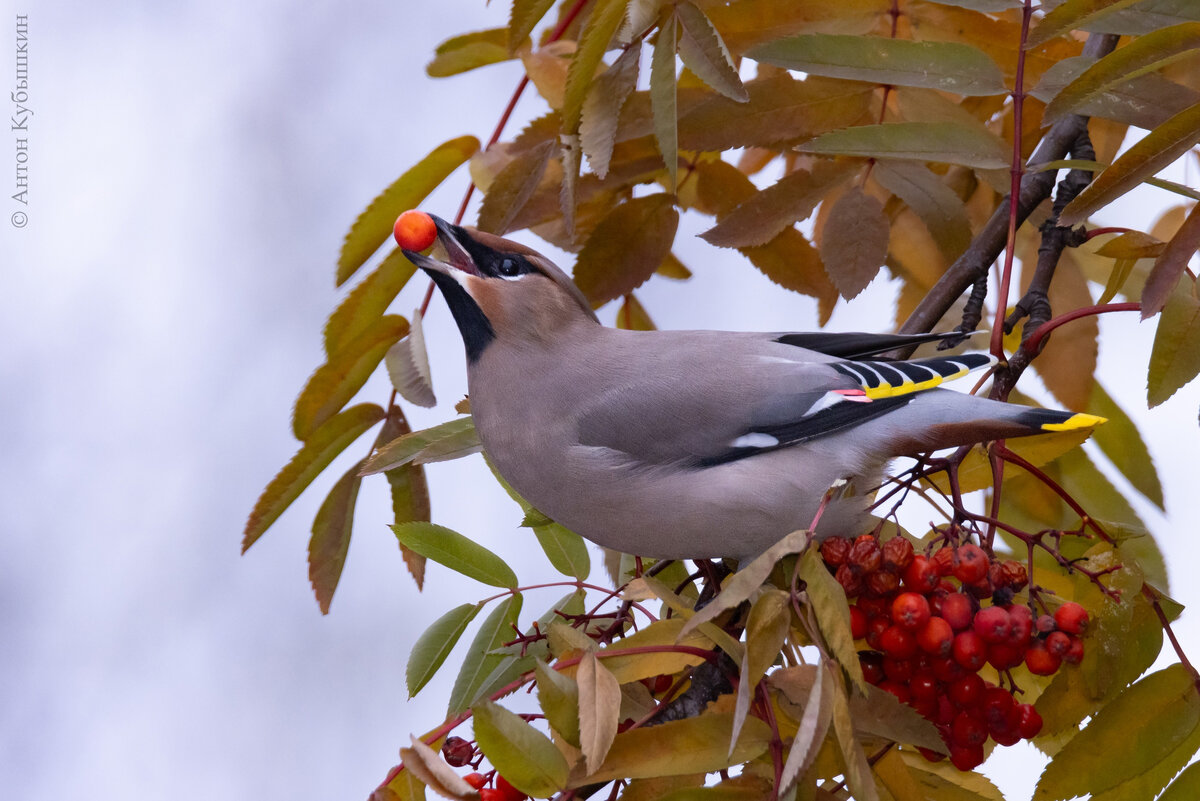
<point>897,554</point>
<point>850,580</point>
<point>457,752</point>
<point>865,554</point>
<point>883,582</point>
<point>834,551</point>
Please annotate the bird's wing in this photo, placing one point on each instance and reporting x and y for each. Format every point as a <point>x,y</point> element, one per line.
<point>856,345</point>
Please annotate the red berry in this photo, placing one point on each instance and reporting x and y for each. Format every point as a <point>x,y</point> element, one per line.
<point>910,610</point>
<point>476,780</point>
<point>1071,618</point>
<point>883,582</point>
<point>872,666</point>
<point>858,623</point>
<point>936,637</point>
<point>966,757</point>
<point>993,624</point>
<point>1044,624</point>
<point>491,794</point>
<point>969,650</point>
<point>850,580</point>
<point>945,669</point>
<point>1074,654</point>
<point>457,752</point>
<point>897,554</point>
<point>958,610</point>
<point>931,756</point>
<point>898,642</point>
<point>999,710</point>
<point>876,626</point>
<point>898,689</point>
<point>414,230</point>
<point>1040,661</point>
<point>967,729</point>
<point>834,551</point>
<point>967,691</point>
<point>924,687</point>
<point>1021,618</point>
<point>1006,736</point>
<point>946,712</point>
<point>898,669</point>
<point>1030,721</point>
<point>1004,655</point>
<point>1058,643</point>
<point>920,575</point>
<point>970,564</point>
<point>510,793</point>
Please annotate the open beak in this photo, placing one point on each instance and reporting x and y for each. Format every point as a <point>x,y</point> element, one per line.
<point>448,245</point>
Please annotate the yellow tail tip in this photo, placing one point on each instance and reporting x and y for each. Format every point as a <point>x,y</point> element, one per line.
<point>1076,421</point>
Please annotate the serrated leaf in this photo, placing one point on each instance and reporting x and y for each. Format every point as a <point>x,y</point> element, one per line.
<point>946,66</point>
<point>602,109</point>
<point>1144,724</point>
<point>705,54</point>
<point>565,549</point>
<point>470,51</point>
<point>1170,264</point>
<point>602,23</point>
<point>944,142</point>
<point>512,188</point>
<point>632,316</point>
<point>1071,15</point>
<point>663,99</point>
<point>404,786</point>
<point>945,782</point>
<point>374,226</point>
<point>766,631</point>
<point>558,696</point>
<point>1145,99</point>
<point>1186,786</point>
<point>314,456</point>
<point>626,247</point>
<point>762,216</point>
<point>461,554</point>
<point>694,745</point>
<point>854,241</point>
<point>430,768</point>
<point>521,753</point>
<point>333,384</point>
<point>828,601</point>
<point>435,644</point>
<point>367,302</point>
<point>858,770</point>
<point>599,705</point>
<point>1131,245</point>
<point>1122,443</point>
<point>450,440</point>
<point>524,17</point>
<point>407,364</point>
<point>938,206</point>
<point>814,724</point>
<point>1154,151</point>
<point>879,713</point>
<point>330,539</point>
<point>1175,356</point>
<point>481,660</point>
<point>409,490</point>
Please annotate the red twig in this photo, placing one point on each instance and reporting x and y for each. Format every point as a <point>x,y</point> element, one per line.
<point>1035,339</point>
<point>1154,597</point>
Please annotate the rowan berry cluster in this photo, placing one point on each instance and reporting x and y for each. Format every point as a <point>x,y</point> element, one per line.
<point>928,634</point>
<point>459,752</point>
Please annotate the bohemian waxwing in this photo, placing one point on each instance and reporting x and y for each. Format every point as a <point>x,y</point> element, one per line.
<point>690,444</point>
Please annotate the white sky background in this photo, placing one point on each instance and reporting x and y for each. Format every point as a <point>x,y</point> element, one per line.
<point>192,172</point>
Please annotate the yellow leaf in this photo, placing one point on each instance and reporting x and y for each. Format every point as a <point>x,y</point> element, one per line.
<point>626,248</point>
<point>427,766</point>
<point>854,241</point>
<point>331,537</point>
<point>1175,356</point>
<point>599,705</point>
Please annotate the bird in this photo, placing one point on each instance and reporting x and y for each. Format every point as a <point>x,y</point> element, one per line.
<point>701,444</point>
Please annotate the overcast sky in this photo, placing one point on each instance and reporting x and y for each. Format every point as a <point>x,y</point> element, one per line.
<point>193,168</point>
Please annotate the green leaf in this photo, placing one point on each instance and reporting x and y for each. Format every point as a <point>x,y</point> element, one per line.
<point>367,302</point>
<point>435,644</point>
<point>938,206</point>
<point>512,188</point>
<point>1154,151</point>
<point>663,99</point>
<point>331,537</point>
<point>627,246</point>
<point>705,54</point>
<point>602,22</point>
<point>854,241</point>
<point>1071,15</point>
<point>602,109</point>
<point>944,142</point>
<point>449,440</point>
<point>1144,724</point>
<point>333,384</point>
<point>1170,264</point>
<point>946,66</point>
<point>558,696</point>
<point>469,51</point>
<point>374,226</point>
<point>1186,786</point>
<point>314,456</point>
<point>521,753</point>
<point>459,553</point>
<point>1122,443</point>
<point>828,601</point>
<point>565,549</point>
<point>1175,356</point>
<point>525,16</point>
<point>482,659</point>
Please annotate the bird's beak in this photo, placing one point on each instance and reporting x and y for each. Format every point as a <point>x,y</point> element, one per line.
<point>448,244</point>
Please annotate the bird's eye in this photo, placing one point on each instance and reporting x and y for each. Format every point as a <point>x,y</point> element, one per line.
<point>509,268</point>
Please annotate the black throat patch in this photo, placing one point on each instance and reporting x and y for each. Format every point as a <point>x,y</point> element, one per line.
<point>477,332</point>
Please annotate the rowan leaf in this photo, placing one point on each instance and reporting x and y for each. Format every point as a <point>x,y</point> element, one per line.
<point>858,771</point>
<point>558,696</point>
<point>854,241</point>
<point>599,706</point>
<point>705,54</point>
<point>407,364</point>
<point>944,142</point>
<point>1175,355</point>
<point>626,247</point>
<point>946,66</point>
<point>470,51</point>
<point>1132,245</point>
<point>430,768</point>
<point>435,644</point>
<point>684,608</point>
<point>1067,363</point>
<point>602,109</point>
<point>602,23</point>
<point>333,384</point>
<point>1144,99</point>
<point>829,604</point>
<point>409,490</point>
<point>943,781</point>
<point>520,753</point>
<point>938,206</point>
<point>1170,264</point>
<point>330,539</point>
<point>512,188</point>
<point>811,731</point>
<point>1144,724</point>
<point>524,17</point>
<point>663,100</point>
<point>571,159</point>
<point>1150,154</point>
<point>367,302</point>
<point>374,226</point>
<point>321,448</point>
<point>565,549</point>
<point>632,315</point>
<point>449,440</point>
<point>881,714</point>
<point>481,658</point>
<point>1122,443</point>
<point>1185,787</point>
<point>460,554</point>
<point>1071,15</point>
<point>762,216</point>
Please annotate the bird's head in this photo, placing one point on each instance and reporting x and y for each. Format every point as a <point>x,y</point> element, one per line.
<point>499,289</point>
